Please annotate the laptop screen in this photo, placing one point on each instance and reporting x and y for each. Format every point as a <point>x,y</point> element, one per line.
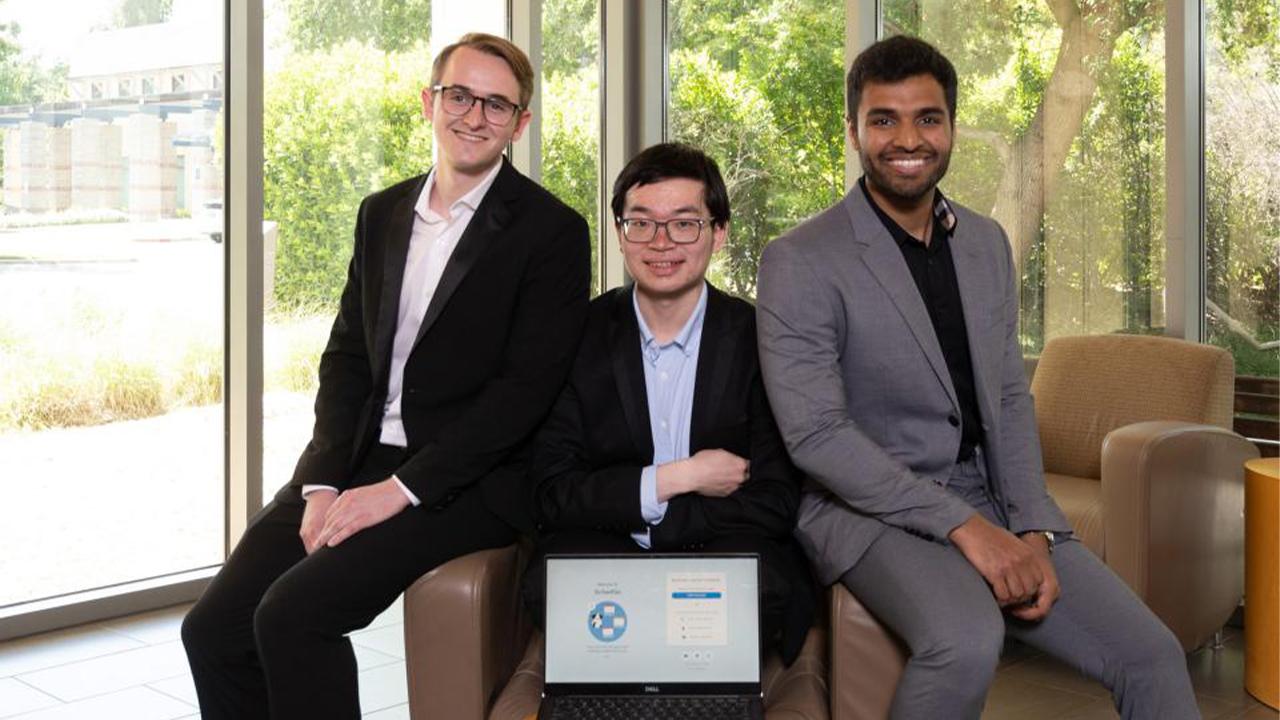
<point>651,619</point>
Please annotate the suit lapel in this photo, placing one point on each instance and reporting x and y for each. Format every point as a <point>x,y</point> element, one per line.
<point>717,351</point>
<point>486,226</point>
<point>399,231</point>
<point>973,278</point>
<point>628,373</point>
<point>883,258</point>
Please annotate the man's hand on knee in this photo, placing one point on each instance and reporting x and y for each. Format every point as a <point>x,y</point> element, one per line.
<point>360,508</point>
<point>313,518</point>
<point>1009,565</point>
<point>1049,590</point>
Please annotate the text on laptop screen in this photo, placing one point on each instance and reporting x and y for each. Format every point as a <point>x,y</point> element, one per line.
<point>652,619</point>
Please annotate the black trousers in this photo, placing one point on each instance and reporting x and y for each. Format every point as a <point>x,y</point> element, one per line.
<point>786,592</point>
<point>268,639</point>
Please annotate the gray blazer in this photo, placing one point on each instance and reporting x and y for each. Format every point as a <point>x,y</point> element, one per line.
<point>861,392</point>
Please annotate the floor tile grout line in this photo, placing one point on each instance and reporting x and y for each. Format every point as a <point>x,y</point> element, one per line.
<point>36,689</point>
<point>33,687</point>
<point>96,695</point>
<point>126,688</point>
<point>70,641</point>
<point>184,701</point>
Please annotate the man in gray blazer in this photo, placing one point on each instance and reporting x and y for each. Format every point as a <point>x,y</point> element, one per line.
<point>888,341</point>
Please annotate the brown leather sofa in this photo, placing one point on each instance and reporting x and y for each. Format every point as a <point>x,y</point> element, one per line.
<point>1138,452</point>
<point>472,653</point>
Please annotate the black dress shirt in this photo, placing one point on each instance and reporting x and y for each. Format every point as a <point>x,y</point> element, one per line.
<point>934,272</point>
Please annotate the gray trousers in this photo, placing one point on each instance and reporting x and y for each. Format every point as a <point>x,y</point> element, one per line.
<point>931,597</point>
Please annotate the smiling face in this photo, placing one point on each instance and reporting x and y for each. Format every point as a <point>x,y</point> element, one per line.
<point>469,144</point>
<point>903,135</point>
<point>662,269</point>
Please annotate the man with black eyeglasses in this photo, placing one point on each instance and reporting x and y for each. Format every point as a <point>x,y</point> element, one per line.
<point>662,440</point>
<point>465,289</point>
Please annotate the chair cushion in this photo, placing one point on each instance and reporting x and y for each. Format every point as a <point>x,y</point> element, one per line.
<point>1081,501</point>
<point>1087,386</point>
<point>798,692</point>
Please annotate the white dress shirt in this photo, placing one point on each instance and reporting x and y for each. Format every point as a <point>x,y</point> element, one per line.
<point>431,244</point>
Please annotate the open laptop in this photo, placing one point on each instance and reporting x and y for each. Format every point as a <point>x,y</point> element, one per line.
<point>652,637</point>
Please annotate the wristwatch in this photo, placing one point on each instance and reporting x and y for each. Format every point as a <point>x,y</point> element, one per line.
<point>1050,537</point>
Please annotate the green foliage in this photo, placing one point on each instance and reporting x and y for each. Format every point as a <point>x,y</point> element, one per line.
<point>142,12</point>
<point>570,37</point>
<point>759,86</point>
<point>22,80</point>
<point>336,127</point>
<point>388,25</point>
<point>1246,27</point>
<point>731,121</point>
<point>570,151</point>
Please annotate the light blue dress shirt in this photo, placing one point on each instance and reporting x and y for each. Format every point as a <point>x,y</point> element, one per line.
<point>670,372</point>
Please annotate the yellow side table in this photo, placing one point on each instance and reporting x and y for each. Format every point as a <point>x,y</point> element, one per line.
<point>1262,580</point>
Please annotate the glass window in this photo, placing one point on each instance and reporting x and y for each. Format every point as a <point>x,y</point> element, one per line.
<point>1242,184</point>
<point>125,88</point>
<point>148,86</point>
<point>178,83</point>
<point>95,90</point>
<point>1060,137</point>
<point>571,111</point>
<point>758,85</point>
<point>111,306</point>
<point>320,160</point>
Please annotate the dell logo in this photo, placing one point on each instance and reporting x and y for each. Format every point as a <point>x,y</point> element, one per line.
<point>651,689</point>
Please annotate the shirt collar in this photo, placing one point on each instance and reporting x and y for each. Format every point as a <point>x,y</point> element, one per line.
<point>691,328</point>
<point>471,200</point>
<point>943,215</point>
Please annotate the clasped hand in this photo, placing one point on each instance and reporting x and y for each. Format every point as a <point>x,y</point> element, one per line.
<point>1018,570</point>
<point>331,518</point>
<point>713,473</point>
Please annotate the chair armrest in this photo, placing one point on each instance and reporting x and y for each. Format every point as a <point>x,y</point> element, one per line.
<point>866,661</point>
<point>523,692</point>
<point>463,629</point>
<point>1172,517</point>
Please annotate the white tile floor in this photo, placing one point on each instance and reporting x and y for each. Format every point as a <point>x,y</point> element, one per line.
<point>134,669</point>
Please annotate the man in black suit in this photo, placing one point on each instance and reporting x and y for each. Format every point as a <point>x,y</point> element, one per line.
<point>465,288</point>
<point>662,439</point>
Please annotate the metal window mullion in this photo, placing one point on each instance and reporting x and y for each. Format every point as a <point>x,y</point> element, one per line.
<point>244,301</point>
<point>632,104</point>
<point>525,30</point>
<point>1184,175</point>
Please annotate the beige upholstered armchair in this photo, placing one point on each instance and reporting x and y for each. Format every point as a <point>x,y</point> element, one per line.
<point>1138,452</point>
<point>472,653</point>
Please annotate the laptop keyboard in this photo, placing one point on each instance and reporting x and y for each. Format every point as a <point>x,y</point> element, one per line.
<point>608,707</point>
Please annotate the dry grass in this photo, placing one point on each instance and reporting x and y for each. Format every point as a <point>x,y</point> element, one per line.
<point>92,368</point>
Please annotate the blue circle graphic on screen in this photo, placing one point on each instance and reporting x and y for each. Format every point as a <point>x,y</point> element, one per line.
<point>607,621</point>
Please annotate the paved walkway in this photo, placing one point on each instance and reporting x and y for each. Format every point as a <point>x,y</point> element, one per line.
<point>94,506</point>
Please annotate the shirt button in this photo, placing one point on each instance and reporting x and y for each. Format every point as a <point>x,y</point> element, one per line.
<point>663,423</point>
<point>663,375</point>
<point>955,421</point>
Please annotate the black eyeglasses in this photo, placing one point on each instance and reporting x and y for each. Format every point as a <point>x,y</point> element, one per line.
<point>681,231</point>
<point>457,100</point>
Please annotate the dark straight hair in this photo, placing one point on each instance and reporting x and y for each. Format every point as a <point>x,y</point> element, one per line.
<point>667,161</point>
<point>895,59</point>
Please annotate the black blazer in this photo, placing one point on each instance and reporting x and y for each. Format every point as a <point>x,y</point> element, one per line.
<point>590,452</point>
<point>491,355</point>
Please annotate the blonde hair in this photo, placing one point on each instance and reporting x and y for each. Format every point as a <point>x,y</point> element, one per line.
<point>498,47</point>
